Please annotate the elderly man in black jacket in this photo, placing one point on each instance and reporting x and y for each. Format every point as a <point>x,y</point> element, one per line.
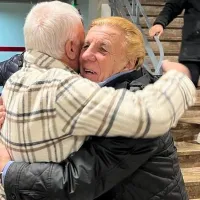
<point>190,48</point>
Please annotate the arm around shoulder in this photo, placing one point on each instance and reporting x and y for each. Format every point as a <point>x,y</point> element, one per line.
<point>84,175</point>
<point>108,112</point>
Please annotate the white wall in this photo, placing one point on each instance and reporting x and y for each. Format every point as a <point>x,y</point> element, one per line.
<point>84,5</point>
<point>12,16</point>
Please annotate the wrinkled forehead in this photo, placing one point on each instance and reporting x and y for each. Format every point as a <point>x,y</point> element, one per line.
<point>104,34</point>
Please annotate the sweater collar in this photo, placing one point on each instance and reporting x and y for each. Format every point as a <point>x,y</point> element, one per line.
<point>34,58</point>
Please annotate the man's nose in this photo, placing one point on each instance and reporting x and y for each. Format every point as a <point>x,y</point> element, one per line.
<point>88,55</point>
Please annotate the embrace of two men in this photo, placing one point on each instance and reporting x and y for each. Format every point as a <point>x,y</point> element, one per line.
<point>100,132</point>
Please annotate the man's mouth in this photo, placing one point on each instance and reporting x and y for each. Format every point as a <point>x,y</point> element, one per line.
<point>88,71</point>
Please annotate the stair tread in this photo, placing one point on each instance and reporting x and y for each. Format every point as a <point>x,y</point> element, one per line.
<point>191,175</point>
<point>190,120</point>
<point>177,23</point>
<point>188,148</point>
<point>198,92</point>
<point>197,102</point>
<point>168,35</point>
<point>192,115</point>
<point>170,48</point>
<point>155,2</point>
<point>170,58</point>
<point>154,10</point>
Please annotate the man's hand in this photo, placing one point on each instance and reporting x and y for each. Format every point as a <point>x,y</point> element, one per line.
<point>167,66</point>
<point>156,30</point>
<point>4,156</point>
<point>2,112</point>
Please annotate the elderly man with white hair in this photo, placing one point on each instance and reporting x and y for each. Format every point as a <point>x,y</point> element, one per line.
<point>50,109</point>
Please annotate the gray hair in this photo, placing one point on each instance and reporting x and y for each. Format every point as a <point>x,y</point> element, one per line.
<point>49,25</point>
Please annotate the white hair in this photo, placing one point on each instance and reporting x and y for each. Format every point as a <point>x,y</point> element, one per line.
<point>49,25</point>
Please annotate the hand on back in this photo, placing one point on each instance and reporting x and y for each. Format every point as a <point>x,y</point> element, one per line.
<point>2,112</point>
<point>167,66</point>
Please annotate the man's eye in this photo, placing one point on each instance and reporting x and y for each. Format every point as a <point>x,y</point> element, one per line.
<point>103,50</point>
<point>85,46</point>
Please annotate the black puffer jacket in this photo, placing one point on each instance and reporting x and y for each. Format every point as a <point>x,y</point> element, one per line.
<point>10,66</point>
<point>190,49</point>
<point>129,169</point>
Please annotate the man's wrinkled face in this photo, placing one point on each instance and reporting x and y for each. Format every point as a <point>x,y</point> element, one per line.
<point>103,53</point>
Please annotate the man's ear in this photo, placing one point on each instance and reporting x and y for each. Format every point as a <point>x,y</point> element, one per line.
<point>70,49</point>
<point>130,65</point>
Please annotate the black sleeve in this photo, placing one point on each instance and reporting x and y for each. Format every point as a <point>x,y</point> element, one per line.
<point>98,166</point>
<point>170,11</point>
<point>10,66</point>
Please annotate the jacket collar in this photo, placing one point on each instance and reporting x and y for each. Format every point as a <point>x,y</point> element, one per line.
<point>122,77</point>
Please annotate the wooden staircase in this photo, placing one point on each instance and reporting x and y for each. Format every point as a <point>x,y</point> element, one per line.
<point>186,132</point>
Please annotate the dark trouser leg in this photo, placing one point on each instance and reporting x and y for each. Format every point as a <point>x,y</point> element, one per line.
<point>194,68</point>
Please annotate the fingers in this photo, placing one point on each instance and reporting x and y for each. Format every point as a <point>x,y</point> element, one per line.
<point>152,32</point>
<point>2,121</point>
<point>167,66</point>
<point>1,100</point>
<point>156,30</point>
<point>4,156</point>
<point>161,32</point>
<point>2,112</point>
<point>2,108</point>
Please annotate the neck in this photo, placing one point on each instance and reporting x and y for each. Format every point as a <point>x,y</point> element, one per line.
<point>69,63</point>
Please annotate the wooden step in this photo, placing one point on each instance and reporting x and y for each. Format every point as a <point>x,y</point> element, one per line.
<point>149,62</point>
<point>170,48</point>
<point>170,58</point>
<point>192,181</point>
<point>177,23</point>
<point>185,131</point>
<point>154,10</point>
<point>194,199</point>
<point>198,92</point>
<point>192,115</point>
<point>197,103</point>
<point>150,2</point>
<point>188,154</point>
<point>168,35</point>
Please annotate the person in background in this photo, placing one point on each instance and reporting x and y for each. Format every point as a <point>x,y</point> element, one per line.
<point>190,46</point>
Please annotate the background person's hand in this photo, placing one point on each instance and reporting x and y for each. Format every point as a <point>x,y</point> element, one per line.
<point>167,66</point>
<point>2,112</point>
<point>156,30</point>
<point>4,156</point>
